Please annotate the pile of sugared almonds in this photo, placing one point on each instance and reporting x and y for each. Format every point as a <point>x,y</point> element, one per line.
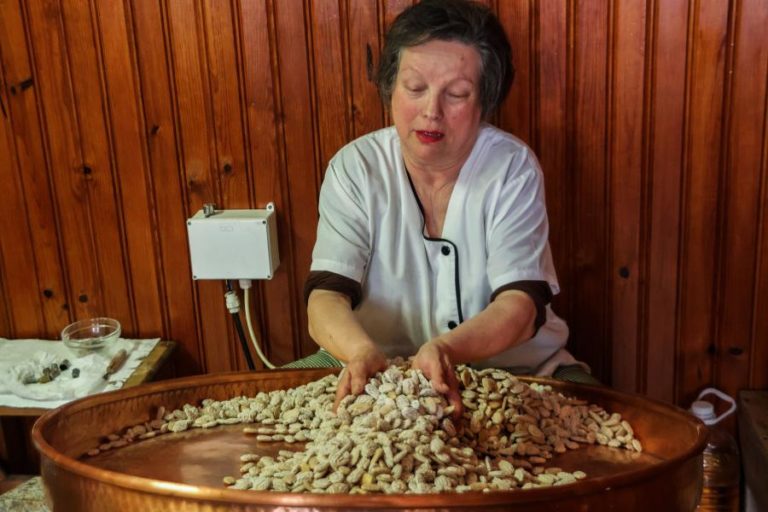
<point>399,437</point>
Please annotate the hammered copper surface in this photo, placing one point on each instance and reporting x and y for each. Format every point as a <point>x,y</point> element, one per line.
<point>183,471</point>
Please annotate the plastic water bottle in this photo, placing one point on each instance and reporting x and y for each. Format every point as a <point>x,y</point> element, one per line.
<point>721,458</point>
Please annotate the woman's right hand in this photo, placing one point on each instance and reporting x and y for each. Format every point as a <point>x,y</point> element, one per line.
<point>360,367</point>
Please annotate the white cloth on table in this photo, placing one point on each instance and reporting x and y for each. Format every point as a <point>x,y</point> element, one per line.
<point>20,357</point>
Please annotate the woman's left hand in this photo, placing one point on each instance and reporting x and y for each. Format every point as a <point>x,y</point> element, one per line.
<point>434,360</point>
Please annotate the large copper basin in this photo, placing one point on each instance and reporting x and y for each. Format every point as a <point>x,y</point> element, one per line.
<point>183,472</point>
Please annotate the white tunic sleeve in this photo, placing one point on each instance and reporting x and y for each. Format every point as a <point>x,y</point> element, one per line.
<point>518,230</point>
<point>343,241</point>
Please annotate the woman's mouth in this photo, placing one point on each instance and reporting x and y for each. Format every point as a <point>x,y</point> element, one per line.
<point>429,137</point>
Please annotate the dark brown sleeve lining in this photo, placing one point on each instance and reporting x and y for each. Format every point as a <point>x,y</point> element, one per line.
<point>324,280</point>
<point>538,291</point>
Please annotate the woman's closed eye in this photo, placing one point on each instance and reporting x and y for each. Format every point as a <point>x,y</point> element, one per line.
<point>415,89</point>
<point>458,94</point>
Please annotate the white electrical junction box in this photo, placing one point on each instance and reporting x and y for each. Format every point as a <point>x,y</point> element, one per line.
<point>233,244</point>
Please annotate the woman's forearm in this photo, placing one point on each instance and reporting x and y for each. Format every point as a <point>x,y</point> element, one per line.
<point>506,322</point>
<point>333,325</point>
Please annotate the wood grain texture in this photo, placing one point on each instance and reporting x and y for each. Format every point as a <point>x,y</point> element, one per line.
<point>588,152</point>
<point>167,183</point>
<point>195,124</point>
<point>649,120</point>
<point>702,192</point>
<point>261,92</point>
<point>666,159</point>
<point>743,171</point>
<point>37,210</point>
<point>627,232</point>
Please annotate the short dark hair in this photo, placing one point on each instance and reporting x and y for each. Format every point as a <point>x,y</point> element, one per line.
<point>462,21</point>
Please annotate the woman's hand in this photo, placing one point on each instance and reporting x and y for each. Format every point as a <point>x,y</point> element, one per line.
<point>434,360</point>
<point>360,367</point>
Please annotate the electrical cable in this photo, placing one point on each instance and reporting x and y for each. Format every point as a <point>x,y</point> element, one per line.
<point>245,284</point>
<point>233,305</point>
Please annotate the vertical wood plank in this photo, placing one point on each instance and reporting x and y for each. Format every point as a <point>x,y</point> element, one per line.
<point>299,141</point>
<point>24,318</point>
<point>515,114</point>
<point>160,138</point>
<point>229,165</point>
<point>19,317</point>
<point>330,78</point>
<point>588,160</point>
<point>700,209</point>
<point>551,31</point>
<point>363,29</point>
<point>41,248</point>
<point>192,99</point>
<point>130,164</point>
<point>52,72</point>
<point>260,89</point>
<point>759,354</point>
<point>97,196</point>
<point>626,191</point>
<point>745,137</point>
<point>16,270</point>
<point>7,172</point>
<point>666,160</point>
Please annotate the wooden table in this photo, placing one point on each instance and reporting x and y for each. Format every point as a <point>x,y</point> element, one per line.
<point>16,451</point>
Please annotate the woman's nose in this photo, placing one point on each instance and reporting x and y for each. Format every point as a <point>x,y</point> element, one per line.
<point>432,108</point>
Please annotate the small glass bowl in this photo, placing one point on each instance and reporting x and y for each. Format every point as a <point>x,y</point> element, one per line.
<point>91,334</point>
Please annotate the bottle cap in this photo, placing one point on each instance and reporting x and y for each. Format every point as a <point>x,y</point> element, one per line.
<point>704,410</point>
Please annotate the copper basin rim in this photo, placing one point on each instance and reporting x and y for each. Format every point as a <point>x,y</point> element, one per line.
<point>58,465</point>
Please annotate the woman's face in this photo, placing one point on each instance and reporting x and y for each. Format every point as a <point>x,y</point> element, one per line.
<point>436,104</point>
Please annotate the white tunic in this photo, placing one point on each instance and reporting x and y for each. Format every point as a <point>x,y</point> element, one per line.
<point>371,230</point>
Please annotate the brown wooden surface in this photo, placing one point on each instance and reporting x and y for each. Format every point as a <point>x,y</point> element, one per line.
<point>649,119</point>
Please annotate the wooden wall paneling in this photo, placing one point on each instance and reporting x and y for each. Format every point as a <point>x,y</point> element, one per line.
<point>550,30</point>
<point>654,160</point>
<point>666,160</point>
<point>327,27</point>
<point>260,89</point>
<point>131,164</point>
<point>107,290</point>
<point>230,167</point>
<point>70,185</point>
<point>18,277</point>
<point>743,173</point>
<point>178,294</point>
<point>627,180</point>
<point>516,114</point>
<point>363,43</point>
<point>43,278</point>
<point>6,298</point>
<point>194,126</point>
<point>759,353</point>
<point>299,142</point>
<point>587,157</point>
<point>700,209</point>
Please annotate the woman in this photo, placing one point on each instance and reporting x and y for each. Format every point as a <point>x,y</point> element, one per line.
<point>432,238</point>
